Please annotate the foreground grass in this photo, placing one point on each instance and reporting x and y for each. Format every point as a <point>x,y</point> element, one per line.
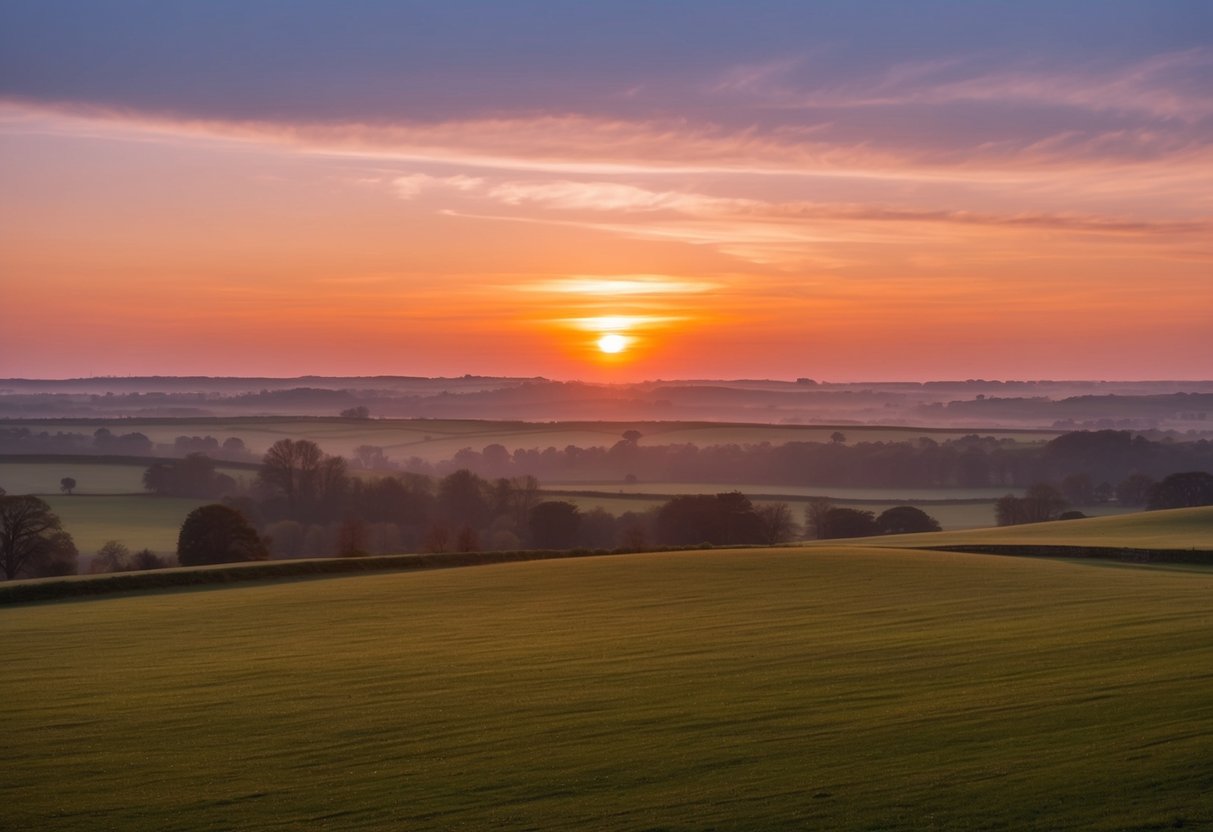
<point>772,689</point>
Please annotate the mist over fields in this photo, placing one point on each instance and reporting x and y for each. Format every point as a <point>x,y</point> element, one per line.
<point>1180,406</point>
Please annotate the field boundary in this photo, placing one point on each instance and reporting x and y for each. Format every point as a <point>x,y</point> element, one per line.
<point>84,586</point>
<point>770,497</point>
<point>114,459</point>
<point>1125,554</point>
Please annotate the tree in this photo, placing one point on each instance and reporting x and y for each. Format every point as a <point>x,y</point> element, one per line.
<point>719,519</point>
<point>467,540</point>
<point>816,512</point>
<point>1008,511</point>
<point>462,501</point>
<point>849,522</point>
<point>1078,490</point>
<point>359,412</point>
<point>838,438</point>
<point>775,523</point>
<point>371,457</point>
<point>218,534</point>
<point>1041,503</point>
<point>905,520</point>
<point>437,539</point>
<point>67,485</point>
<point>32,541</point>
<point>292,467</point>
<point>351,538</point>
<point>233,447</point>
<point>113,556</point>
<point>554,525</point>
<point>192,476</point>
<point>146,559</point>
<point>1186,490</point>
<point>1134,489</point>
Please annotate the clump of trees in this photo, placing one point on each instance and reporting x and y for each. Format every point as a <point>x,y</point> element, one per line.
<point>1041,503</point>
<point>33,543</point>
<point>193,476</point>
<point>1183,490</point>
<point>1089,464</point>
<point>114,556</point>
<point>825,521</point>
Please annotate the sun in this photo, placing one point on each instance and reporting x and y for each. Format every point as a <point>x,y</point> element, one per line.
<point>612,343</point>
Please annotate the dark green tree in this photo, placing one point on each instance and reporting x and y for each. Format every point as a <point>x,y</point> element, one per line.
<point>905,520</point>
<point>462,499</point>
<point>1134,489</point>
<point>218,534</point>
<point>554,524</point>
<point>849,522</point>
<point>1185,490</point>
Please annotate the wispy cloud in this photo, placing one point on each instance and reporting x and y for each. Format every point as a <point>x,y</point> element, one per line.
<point>414,184</point>
<point>620,286</point>
<point>1172,86</point>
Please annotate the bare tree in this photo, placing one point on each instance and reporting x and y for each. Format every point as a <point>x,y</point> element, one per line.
<point>113,556</point>
<point>775,523</point>
<point>32,540</point>
<point>815,514</point>
<point>292,466</point>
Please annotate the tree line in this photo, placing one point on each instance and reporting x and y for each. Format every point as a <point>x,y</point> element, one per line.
<point>1106,458</point>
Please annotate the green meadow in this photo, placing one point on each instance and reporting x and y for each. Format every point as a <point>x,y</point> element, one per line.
<point>139,521</point>
<point>815,688</point>
<point>93,477</point>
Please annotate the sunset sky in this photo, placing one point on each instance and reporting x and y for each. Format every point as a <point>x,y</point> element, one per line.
<point>845,191</point>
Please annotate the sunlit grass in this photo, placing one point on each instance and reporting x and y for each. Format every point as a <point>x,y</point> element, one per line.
<point>771,689</point>
<point>1185,528</point>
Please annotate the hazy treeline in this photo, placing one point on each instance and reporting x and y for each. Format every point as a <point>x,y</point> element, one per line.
<point>305,502</point>
<point>1105,457</point>
<point>1071,404</point>
<point>104,442</point>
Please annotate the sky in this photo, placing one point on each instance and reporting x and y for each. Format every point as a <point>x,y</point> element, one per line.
<point>834,190</point>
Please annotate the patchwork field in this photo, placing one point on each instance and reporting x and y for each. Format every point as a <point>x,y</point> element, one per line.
<point>93,477</point>
<point>768,689</point>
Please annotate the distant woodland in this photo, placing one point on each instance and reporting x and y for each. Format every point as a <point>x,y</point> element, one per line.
<point>1183,407</point>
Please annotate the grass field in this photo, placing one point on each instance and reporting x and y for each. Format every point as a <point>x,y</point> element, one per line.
<point>731,690</point>
<point>1184,528</point>
<point>91,477</point>
<point>439,439</point>
<point>138,521</point>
